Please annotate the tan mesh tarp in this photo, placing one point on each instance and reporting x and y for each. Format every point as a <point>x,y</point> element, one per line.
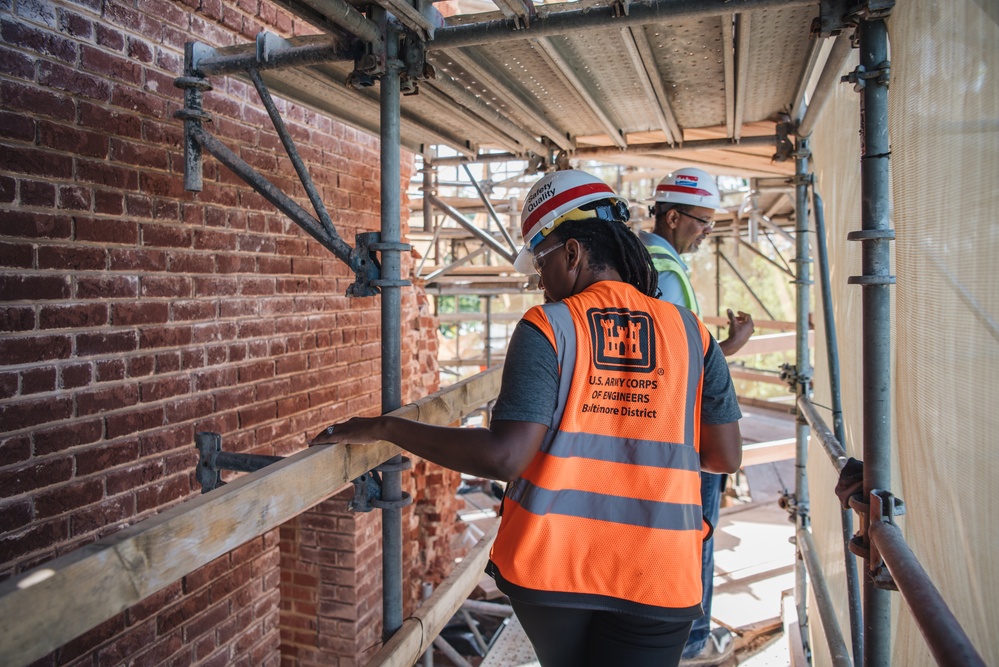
<point>944,125</point>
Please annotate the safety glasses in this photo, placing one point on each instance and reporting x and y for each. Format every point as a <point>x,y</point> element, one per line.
<point>539,258</point>
<point>707,223</point>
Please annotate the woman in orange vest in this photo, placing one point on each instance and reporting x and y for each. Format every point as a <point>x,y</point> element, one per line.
<point>611,403</point>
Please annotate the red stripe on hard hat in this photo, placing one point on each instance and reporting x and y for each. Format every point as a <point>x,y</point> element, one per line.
<point>560,199</point>
<point>684,189</point>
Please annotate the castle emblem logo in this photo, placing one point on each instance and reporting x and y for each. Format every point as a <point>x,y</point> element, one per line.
<point>622,340</point>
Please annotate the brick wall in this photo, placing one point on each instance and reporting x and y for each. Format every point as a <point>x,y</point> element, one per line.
<point>136,314</point>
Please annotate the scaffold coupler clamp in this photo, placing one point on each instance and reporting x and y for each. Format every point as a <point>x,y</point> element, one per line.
<point>884,507</point>
<point>789,374</point>
<point>789,502</point>
<point>860,76</point>
<point>368,489</point>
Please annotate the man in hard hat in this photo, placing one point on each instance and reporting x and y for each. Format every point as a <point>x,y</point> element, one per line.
<point>684,207</point>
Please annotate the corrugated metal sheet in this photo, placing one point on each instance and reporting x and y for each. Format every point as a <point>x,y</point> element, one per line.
<point>658,75</point>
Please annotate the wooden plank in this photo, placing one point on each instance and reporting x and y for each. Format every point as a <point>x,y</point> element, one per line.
<point>768,452</point>
<point>760,324</point>
<point>418,631</point>
<point>741,374</point>
<point>48,606</point>
<point>768,343</point>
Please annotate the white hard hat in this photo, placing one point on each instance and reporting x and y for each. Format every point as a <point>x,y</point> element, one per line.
<point>553,198</point>
<point>690,186</point>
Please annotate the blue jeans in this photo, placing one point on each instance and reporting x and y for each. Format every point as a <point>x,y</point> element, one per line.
<point>711,491</point>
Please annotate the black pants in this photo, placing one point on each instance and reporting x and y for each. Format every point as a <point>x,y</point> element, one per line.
<point>587,638</point>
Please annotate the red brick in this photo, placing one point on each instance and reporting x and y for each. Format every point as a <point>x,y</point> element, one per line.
<point>213,331</point>
<point>162,493</point>
<point>167,135</point>
<point>191,262</point>
<point>72,139</point>
<point>8,385</point>
<point>141,155</point>
<point>140,50</point>
<point>181,311</point>
<point>108,203</point>
<point>16,64</point>
<point>73,316</point>
<point>16,126</point>
<point>153,337</point>
<point>37,380</point>
<point>139,313</point>
<point>113,122</point>
<point>206,620</point>
<point>37,225</point>
<point>110,370</point>
<point>72,258</point>
<point>75,198</point>
<point>37,194</point>
<point>75,25</point>
<point>73,81</point>
<point>99,459</point>
<point>140,366</point>
<point>17,255</point>
<point>103,230</point>
<point>67,498</point>
<point>152,605</point>
<point>125,646</point>
<point>13,318</point>
<point>166,286</point>
<point>15,515</point>
<point>102,517</point>
<point>110,66</point>
<point>138,101</point>
<point>126,480</point>
<point>161,389</point>
<point>106,174</point>
<point>133,421</point>
<point>65,436</point>
<point>24,160</point>
<point>33,476</point>
<point>205,239</point>
<point>106,34</point>
<point>8,190</point>
<point>36,537</point>
<point>167,362</point>
<point>107,287</point>
<point>34,349</point>
<point>137,259</point>
<point>188,409</point>
<point>76,375</point>
<point>42,42</point>
<point>22,97</point>
<point>104,399</point>
<point>166,236</point>
<point>92,639</point>
<point>109,343</point>
<point>171,645</point>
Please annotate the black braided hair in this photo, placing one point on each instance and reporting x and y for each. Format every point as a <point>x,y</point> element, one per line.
<point>614,245</point>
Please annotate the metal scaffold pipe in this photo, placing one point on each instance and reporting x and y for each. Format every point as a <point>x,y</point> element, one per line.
<point>391,351</point>
<point>871,78</point>
<point>596,18</point>
<point>803,372</point>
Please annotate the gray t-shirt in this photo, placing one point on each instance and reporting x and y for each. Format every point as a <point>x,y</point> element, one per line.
<point>530,382</point>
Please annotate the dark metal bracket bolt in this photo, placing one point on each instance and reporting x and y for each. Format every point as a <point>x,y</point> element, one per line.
<point>213,460</point>
<point>368,489</point>
<point>885,508</point>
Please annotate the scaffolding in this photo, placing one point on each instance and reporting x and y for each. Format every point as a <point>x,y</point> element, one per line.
<point>391,45</point>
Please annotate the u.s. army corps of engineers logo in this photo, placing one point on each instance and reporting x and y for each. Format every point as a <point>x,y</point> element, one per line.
<point>622,340</point>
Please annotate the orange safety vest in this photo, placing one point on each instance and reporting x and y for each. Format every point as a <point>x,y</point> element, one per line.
<point>608,513</point>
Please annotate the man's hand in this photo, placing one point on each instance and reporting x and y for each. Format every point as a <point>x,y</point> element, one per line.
<point>740,328</point>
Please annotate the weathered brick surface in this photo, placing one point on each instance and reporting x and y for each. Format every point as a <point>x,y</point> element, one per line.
<point>135,314</point>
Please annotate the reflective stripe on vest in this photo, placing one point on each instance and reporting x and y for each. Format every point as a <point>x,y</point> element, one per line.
<point>608,515</point>
<point>665,262</point>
